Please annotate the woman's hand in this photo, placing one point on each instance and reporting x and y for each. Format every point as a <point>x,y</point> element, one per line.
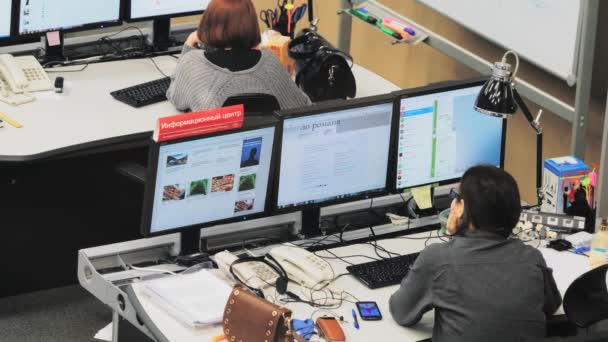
<point>456,211</point>
<point>193,40</point>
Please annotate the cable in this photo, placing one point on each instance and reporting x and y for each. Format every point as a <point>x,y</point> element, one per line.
<point>157,67</point>
<point>79,70</point>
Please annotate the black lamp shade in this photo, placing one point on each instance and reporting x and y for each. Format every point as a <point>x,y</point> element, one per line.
<point>496,99</point>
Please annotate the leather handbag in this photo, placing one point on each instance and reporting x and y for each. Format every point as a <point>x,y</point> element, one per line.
<point>322,71</point>
<point>249,318</point>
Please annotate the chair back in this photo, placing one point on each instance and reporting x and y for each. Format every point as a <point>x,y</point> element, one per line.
<point>586,300</point>
<point>255,104</point>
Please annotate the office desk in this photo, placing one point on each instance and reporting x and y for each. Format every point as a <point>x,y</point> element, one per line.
<point>87,117</point>
<point>387,329</point>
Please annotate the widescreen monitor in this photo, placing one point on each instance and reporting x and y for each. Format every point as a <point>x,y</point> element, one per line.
<point>334,154</point>
<point>210,179</point>
<point>39,16</point>
<point>137,10</point>
<point>440,135</point>
<point>5,18</point>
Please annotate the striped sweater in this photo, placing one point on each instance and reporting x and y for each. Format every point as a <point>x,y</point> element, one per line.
<point>198,84</point>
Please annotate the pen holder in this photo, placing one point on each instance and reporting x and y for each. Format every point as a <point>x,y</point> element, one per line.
<point>281,27</point>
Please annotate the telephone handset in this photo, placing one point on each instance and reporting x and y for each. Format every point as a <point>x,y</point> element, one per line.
<point>302,266</point>
<point>21,75</point>
<point>255,274</point>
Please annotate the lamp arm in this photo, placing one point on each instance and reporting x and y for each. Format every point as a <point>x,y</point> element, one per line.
<point>524,108</point>
<point>539,142</point>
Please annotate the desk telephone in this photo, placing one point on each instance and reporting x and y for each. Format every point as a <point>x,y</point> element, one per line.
<point>19,76</point>
<point>300,265</point>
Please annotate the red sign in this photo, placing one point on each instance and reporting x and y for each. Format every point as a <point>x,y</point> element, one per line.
<point>198,123</point>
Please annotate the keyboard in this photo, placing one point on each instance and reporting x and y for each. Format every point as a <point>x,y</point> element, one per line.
<point>385,272</point>
<point>144,94</point>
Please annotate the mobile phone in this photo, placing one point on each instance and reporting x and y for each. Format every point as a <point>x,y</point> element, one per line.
<point>369,311</point>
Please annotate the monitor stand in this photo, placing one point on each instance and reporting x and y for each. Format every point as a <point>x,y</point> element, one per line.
<point>311,219</point>
<point>161,34</point>
<point>190,242</point>
<point>53,47</point>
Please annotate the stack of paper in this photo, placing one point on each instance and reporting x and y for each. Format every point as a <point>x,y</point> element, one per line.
<point>196,299</point>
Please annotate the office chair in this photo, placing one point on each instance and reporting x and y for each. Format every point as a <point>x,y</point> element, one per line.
<point>255,104</point>
<point>586,300</point>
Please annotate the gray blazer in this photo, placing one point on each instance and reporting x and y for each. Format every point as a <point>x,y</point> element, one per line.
<point>482,286</point>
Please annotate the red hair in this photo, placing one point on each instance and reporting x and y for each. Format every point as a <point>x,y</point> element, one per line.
<point>230,24</point>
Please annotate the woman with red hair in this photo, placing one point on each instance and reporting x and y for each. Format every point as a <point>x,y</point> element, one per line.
<point>229,62</point>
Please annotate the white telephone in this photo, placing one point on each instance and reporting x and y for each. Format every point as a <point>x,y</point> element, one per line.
<point>254,274</point>
<point>19,76</point>
<point>303,267</point>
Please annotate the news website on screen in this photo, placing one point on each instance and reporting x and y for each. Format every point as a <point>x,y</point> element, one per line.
<point>334,155</point>
<point>212,179</point>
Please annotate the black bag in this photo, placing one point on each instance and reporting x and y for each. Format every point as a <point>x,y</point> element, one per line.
<point>323,72</point>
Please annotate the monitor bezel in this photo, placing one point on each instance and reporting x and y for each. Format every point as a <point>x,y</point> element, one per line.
<point>83,27</point>
<point>433,89</point>
<point>127,14</point>
<point>250,124</point>
<point>325,107</point>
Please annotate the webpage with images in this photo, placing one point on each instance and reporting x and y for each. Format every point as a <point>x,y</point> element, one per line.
<point>212,179</point>
<point>441,136</point>
<point>49,15</point>
<point>334,155</point>
<point>5,18</point>
<point>153,8</point>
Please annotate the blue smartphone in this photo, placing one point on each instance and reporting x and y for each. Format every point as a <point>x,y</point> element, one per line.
<point>369,311</point>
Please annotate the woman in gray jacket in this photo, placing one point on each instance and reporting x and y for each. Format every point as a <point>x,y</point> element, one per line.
<point>482,285</point>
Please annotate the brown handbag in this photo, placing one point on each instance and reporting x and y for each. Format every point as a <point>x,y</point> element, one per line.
<point>249,318</point>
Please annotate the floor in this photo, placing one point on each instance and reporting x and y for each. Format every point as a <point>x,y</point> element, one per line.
<point>63,314</point>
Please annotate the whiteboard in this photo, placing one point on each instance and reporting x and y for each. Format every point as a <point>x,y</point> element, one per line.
<point>544,32</point>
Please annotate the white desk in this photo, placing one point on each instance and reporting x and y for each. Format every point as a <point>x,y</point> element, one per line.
<point>86,116</point>
<point>387,329</point>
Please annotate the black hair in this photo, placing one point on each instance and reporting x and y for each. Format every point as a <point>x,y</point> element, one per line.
<point>491,200</point>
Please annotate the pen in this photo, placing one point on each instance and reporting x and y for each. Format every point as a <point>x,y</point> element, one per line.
<point>10,121</point>
<point>355,320</point>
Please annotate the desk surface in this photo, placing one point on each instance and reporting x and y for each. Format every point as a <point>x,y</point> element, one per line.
<point>86,116</point>
<point>370,330</point>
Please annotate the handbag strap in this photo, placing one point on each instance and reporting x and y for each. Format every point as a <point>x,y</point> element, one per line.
<point>304,39</point>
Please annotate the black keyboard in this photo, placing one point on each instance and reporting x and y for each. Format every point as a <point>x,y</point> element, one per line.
<point>384,272</point>
<point>144,94</point>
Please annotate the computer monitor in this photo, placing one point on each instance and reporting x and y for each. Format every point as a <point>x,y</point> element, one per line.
<point>334,153</point>
<point>440,135</point>
<point>6,11</point>
<point>40,16</point>
<point>207,180</point>
<point>139,10</point>
<point>161,11</point>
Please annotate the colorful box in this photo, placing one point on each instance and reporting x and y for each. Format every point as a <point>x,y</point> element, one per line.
<point>563,180</point>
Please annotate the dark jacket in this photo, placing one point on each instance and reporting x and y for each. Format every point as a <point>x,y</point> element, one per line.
<point>482,286</point>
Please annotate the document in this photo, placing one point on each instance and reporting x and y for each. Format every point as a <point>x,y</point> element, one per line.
<point>196,299</point>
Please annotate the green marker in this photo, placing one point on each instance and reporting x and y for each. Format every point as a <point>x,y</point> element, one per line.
<point>363,16</point>
<point>390,32</point>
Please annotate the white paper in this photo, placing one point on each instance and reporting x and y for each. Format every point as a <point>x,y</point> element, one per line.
<point>195,299</point>
<point>105,334</point>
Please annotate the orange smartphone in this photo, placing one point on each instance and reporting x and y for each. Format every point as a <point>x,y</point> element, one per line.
<point>330,329</point>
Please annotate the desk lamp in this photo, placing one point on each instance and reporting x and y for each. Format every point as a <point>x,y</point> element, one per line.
<point>498,97</point>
